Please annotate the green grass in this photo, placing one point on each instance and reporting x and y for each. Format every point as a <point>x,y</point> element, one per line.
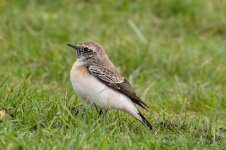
<point>173,52</point>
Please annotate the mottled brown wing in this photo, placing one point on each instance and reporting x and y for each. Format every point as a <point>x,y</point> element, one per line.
<point>117,83</point>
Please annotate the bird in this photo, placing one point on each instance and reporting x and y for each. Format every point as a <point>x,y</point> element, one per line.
<point>97,81</point>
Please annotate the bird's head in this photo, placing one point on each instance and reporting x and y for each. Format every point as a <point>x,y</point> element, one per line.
<point>88,51</point>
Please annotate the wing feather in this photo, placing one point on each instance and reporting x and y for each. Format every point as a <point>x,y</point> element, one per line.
<point>116,82</point>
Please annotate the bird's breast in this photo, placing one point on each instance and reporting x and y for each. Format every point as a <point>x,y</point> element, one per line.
<point>90,89</point>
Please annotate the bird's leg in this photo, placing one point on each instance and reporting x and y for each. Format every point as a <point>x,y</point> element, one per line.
<point>78,109</point>
<point>100,112</point>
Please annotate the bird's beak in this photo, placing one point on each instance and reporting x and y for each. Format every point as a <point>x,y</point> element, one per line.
<point>77,48</point>
<point>73,46</point>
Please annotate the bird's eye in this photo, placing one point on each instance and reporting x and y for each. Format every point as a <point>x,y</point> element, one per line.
<point>86,49</point>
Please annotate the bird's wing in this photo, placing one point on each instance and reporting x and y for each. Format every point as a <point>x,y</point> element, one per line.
<point>116,82</point>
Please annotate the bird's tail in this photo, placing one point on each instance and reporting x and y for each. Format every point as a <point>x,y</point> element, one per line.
<point>144,121</point>
<point>132,110</point>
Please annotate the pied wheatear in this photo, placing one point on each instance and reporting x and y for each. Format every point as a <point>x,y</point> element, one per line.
<point>97,81</point>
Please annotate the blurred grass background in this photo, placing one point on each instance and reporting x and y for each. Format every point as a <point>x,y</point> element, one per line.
<point>173,52</point>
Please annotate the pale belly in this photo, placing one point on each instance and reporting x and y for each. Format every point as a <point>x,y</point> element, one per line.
<point>92,91</point>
